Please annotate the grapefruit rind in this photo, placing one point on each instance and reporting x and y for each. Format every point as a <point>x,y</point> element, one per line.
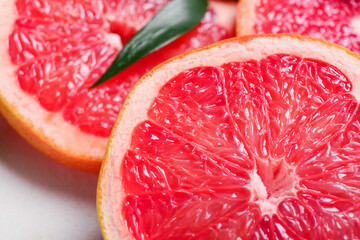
<point>48,132</point>
<point>110,192</point>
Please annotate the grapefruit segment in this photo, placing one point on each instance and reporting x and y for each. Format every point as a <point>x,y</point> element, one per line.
<point>246,104</point>
<point>177,212</point>
<point>195,96</point>
<point>42,37</point>
<point>56,79</point>
<point>73,10</point>
<point>240,223</point>
<point>336,215</point>
<point>55,50</point>
<point>342,150</point>
<point>273,228</point>
<point>249,138</point>
<point>336,21</point>
<point>155,146</point>
<point>126,17</point>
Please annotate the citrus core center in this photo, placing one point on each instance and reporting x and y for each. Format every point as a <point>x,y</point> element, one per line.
<point>271,181</point>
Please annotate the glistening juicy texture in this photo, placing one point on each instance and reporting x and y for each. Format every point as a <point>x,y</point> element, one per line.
<point>63,47</point>
<point>250,150</point>
<point>331,20</point>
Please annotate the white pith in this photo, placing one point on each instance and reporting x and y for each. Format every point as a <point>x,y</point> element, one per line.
<point>286,183</point>
<point>114,40</point>
<point>245,17</point>
<point>61,135</point>
<point>143,94</point>
<point>225,14</point>
<point>52,126</point>
<point>355,24</point>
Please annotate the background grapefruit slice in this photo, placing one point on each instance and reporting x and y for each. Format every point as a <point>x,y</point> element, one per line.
<point>250,138</point>
<point>53,50</point>
<point>337,21</point>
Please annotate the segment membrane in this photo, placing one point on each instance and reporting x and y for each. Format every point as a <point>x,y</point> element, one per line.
<point>327,19</point>
<point>72,10</point>
<point>295,88</point>
<point>289,121</point>
<point>55,79</point>
<point>334,168</point>
<point>193,106</point>
<point>245,95</point>
<point>336,218</point>
<point>161,161</point>
<point>177,215</point>
<point>63,47</point>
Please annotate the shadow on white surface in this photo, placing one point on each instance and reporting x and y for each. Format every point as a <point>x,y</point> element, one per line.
<point>41,199</point>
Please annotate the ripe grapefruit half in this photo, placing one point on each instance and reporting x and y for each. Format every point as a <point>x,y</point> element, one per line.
<point>337,21</point>
<point>255,137</point>
<point>52,51</point>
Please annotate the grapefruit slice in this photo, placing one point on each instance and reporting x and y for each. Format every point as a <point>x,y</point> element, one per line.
<point>337,21</point>
<point>52,51</point>
<point>255,137</point>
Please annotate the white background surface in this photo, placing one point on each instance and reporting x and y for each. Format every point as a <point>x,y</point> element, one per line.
<point>40,199</point>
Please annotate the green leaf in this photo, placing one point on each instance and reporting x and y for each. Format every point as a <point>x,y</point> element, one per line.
<point>172,21</point>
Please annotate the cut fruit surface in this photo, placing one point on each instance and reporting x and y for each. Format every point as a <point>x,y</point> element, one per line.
<point>250,138</point>
<point>337,21</point>
<point>52,51</point>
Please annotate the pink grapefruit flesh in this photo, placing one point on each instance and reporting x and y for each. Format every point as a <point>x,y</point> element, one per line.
<point>337,21</point>
<point>251,138</point>
<point>60,53</point>
<point>55,50</point>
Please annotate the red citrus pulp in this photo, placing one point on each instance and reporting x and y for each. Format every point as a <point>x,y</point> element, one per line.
<point>56,49</point>
<point>337,21</point>
<point>249,138</point>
